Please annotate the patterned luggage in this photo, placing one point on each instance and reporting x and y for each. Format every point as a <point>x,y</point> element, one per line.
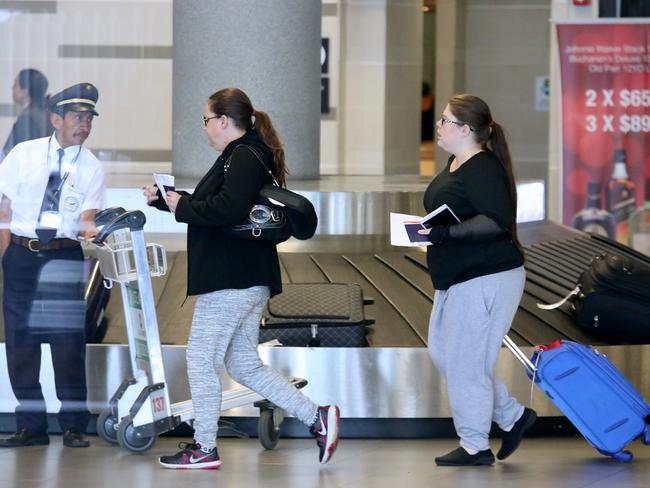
<point>316,314</point>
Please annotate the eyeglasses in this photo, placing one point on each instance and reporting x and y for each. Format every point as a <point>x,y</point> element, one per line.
<point>444,120</point>
<point>205,119</point>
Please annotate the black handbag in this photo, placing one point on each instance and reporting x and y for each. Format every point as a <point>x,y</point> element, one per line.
<point>612,297</point>
<point>277,213</point>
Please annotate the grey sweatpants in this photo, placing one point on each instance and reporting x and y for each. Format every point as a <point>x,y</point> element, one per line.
<point>468,323</point>
<point>225,330</point>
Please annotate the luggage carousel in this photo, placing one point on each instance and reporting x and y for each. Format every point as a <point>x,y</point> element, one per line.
<point>398,282</point>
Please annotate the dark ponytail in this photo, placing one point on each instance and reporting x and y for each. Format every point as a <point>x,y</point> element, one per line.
<point>235,104</point>
<point>474,112</point>
<point>270,136</point>
<point>35,83</point>
<point>498,144</point>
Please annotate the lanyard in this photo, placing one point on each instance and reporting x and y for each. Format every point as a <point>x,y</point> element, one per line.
<point>65,176</point>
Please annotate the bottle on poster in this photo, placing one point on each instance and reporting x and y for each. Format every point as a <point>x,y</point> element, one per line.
<point>620,196</point>
<point>640,224</point>
<point>593,218</point>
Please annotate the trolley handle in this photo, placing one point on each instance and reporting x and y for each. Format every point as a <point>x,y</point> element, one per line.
<point>105,216</point>
<point>132,220</point>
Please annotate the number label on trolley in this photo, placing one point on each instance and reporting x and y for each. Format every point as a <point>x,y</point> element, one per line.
<point>158,404</point>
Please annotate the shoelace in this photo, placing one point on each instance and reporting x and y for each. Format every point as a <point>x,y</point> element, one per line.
<point>191,447</point>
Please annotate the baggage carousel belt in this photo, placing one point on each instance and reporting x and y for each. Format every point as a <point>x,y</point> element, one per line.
<point>397,280</point>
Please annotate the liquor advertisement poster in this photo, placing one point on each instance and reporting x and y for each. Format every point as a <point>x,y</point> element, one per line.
<point>605,73</point>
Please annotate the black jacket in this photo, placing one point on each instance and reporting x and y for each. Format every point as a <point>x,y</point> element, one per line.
<point>217,261</point>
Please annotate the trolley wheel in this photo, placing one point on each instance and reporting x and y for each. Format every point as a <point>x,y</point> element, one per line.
<point>107,426</point>
<point>130,440</point>
<point>268,432</point>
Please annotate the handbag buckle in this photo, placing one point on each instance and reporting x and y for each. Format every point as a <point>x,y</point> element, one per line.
<point>260,214</point>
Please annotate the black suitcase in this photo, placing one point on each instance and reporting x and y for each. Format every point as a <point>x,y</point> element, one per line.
<point>614,298</point>
<point>70,296</point>
<point>96,296</point>
<point>316,314</point>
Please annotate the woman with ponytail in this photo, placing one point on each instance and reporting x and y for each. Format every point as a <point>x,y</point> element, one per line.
<point>233,278</point>
<point>476,267</point>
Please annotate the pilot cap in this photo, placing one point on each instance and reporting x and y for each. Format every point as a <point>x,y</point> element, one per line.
<point>77,98</point>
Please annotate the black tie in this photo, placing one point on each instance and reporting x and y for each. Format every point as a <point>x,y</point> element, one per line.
<point>50,201</point>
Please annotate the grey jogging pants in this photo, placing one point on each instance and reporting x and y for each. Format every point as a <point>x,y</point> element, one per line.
<point>468,323</point>
<point>225,330</point>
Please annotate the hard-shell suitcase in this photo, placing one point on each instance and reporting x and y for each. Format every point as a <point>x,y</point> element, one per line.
<point>593,394</point>
<point>316,314</point>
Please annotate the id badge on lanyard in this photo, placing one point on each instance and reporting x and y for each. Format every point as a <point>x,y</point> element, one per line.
<point>51,219</point>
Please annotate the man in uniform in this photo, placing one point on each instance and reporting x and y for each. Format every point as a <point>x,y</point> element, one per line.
<point>52,187</point>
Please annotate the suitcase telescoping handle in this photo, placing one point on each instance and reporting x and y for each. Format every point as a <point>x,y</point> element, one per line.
<point>519,354</point>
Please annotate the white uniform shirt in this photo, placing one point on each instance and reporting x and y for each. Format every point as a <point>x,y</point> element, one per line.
<point>23,179</point>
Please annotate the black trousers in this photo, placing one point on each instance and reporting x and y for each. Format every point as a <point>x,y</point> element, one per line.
<point>42,294</point>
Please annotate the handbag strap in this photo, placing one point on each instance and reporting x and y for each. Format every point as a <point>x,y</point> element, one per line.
<point>259,158</point>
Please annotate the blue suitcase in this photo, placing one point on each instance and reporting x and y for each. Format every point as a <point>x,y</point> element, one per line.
<point>593,394</point>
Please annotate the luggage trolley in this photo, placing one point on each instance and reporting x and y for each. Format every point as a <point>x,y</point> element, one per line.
<point>140,409</point>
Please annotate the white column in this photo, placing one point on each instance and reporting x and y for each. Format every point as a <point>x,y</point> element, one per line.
<point>271,50</point>
<point>381,73</point>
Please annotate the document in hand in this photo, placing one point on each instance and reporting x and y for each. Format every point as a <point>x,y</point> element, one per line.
<point>404,228</point>
<point>443,215</point>
<point>165,183</point>
<point>412,229</point>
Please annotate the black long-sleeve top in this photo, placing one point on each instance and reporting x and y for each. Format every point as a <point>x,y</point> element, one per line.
<point>478,187</point>
<point>216,260</point>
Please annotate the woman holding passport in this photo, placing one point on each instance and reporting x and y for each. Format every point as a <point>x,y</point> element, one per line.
<point>233,278</point>
<point>476,267</point>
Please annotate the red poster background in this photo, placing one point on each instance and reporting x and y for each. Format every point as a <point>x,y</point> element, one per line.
<point>605,71</point>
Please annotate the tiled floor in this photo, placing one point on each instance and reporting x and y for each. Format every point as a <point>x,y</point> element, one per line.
<point>548,462</point>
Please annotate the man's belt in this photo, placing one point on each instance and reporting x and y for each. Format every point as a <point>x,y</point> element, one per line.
<point>35,245</point>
